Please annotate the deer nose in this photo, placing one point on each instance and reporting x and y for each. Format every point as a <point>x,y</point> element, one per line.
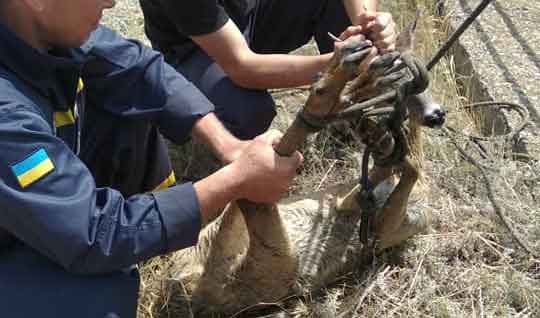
<point>435,119</point>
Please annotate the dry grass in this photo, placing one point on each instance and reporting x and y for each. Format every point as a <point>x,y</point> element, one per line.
<point>466,266</point>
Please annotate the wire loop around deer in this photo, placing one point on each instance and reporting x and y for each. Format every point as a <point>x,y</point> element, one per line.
<point>418,84</point>
<point>511,133</point>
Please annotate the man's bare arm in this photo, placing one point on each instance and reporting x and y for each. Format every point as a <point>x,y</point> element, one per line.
<point>210,131</point>
<point>246,68</point>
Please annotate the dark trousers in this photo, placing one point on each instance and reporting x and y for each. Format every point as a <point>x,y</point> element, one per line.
<point>129,155</point>
<point>274,26</point>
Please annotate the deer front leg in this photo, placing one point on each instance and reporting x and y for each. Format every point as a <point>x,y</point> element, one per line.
<point>378,78</point>
<point>378,174</point>
<point>347,203</point>
<point>394,212</point>
<point>376,137</point>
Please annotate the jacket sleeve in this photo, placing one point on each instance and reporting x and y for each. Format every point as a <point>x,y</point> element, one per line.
<point>129,79</point>
<point>50,202</point>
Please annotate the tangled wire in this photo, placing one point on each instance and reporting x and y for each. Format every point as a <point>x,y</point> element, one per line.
<point>510,135</point>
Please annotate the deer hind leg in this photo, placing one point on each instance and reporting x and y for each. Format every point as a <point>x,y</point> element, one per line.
<point>393,224</point>
<point>248,260</point>
<point>413,224</point>
<point>372,134</point>
<point>270,262</point>
<point>220,251</point>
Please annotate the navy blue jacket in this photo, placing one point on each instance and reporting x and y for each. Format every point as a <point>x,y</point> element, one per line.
<point>49,202</point>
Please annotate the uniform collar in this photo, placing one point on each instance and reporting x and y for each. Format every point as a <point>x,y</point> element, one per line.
<point>52,74</point>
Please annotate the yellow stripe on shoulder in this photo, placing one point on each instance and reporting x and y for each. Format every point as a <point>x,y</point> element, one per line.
<point>35,173</point>
<point>80,85</point>
<point>63,119</point>
<point>171,179</point>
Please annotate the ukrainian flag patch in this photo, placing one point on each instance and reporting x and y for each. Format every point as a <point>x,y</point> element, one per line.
<point>33,168</point>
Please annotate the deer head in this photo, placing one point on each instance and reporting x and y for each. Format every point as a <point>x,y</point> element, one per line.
<point>422,108</point>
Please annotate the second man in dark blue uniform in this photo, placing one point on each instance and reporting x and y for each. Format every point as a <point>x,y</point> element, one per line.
<point>86,186</point>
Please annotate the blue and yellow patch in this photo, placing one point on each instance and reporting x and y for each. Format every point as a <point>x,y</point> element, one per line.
<point>32,168</point>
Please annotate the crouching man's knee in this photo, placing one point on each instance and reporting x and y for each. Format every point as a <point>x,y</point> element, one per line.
<point>249,116</point>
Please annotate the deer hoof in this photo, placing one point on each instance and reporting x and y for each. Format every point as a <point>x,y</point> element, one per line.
<point>383,62</point>
<point>390,79</point>
<point>350,63</point>
<point>354,44</point>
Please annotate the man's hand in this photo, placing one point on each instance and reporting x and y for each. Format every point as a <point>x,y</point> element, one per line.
<point>379,27</point>
<point>264,174</point>
<point>234,150</point>
<point>259,175</point>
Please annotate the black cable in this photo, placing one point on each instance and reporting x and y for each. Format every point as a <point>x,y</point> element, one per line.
<point>459,31</point>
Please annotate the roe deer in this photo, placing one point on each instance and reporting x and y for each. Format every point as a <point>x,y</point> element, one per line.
<point>251,254</point>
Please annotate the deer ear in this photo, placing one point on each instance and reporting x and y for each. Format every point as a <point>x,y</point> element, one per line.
<point>405,39</point>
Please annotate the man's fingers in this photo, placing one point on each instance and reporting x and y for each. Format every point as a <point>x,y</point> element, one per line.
<point>365,18</point>
<point>350,31</point>
<point>385,45</point>
<point>298,158</point>
<point>383,33</point>
<point>382,22</point>
<point>378,26</point>
<point>388,48</point>
<point>383,19</point>
<point>272,136</point>
<point>387,33</point>
<point>294,161</point>
<point>290,164</point>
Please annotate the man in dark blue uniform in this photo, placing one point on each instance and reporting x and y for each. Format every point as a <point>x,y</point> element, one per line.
<point>233,50</point>
<point>86,186</point>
